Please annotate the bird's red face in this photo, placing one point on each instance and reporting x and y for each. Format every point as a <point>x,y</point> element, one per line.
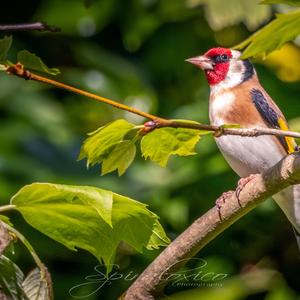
<point>215,63</point>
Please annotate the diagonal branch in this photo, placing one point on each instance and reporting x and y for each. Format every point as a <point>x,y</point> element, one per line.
<point>150,284</point>
<point>19,70</point>
<point>156,122</point>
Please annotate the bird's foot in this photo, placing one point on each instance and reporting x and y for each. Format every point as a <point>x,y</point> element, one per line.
<point>241,184</point>
<point>221,200</point>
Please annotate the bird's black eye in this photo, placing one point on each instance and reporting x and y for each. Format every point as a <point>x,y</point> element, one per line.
<point>221,58</point>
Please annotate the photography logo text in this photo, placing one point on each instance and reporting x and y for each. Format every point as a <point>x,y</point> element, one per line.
<point>198,276</point>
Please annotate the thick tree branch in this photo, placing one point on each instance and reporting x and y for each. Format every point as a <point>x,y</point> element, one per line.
<point>156,122</point>
<point>40,26</point>
<point>150,284</point>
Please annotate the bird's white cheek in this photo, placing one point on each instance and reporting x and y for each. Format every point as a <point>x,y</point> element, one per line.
<point>233,78</point>
<point>219,105</point>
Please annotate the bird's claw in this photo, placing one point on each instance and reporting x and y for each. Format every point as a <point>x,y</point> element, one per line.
<point>221,200</point>
<point>241,184</point>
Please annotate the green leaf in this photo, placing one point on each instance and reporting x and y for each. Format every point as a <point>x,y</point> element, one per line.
<point>5,44</point>
<point>120,158</point>
<point>100,200</point>
<point>11,278</point>
<point>159,144</point>
<point>286,27</point>
<point>37,286</point>
<point>69,219</point>
<point>158,237</point>
<point>33,62</point>
<point>107,145</point>
<point>288,2</point>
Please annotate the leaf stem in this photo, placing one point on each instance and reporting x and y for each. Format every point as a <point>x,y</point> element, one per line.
<point>6,207</point>
<point>26,243</point>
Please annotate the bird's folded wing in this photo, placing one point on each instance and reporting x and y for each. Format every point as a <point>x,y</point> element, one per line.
<point>272,116</point>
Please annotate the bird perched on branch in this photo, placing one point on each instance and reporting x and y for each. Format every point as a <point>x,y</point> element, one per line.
<point>237,97</point>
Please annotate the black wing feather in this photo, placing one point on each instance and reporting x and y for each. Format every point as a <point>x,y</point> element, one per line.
<point>268,114</point>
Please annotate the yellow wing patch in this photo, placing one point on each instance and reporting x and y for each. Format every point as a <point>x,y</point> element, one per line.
<point>291,144</point>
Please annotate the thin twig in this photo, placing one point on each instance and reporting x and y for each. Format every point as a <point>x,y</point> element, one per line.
<point>18,70</point>
<point>40,26</point>
<point>259,131</point>
<point>156,122</point>
<point>221,130</point>
<point>150,284</point>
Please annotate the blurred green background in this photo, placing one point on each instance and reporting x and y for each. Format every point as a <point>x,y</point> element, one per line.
<point>134,51</point>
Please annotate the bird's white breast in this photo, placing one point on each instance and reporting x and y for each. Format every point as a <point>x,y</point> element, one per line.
<point>249,155</point>
<point>245,155</point>
<point>219,105</point>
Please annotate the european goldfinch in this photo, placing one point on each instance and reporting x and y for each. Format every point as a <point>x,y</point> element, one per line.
<point>237,97</point>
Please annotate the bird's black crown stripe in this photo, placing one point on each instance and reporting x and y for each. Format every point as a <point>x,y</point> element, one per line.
<point>268,114</point>
<point>249,70</point>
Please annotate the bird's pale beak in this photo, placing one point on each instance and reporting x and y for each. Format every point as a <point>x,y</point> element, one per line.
<point>202,62</point>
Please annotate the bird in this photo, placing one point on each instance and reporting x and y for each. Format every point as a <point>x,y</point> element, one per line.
<point>237,97</point>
